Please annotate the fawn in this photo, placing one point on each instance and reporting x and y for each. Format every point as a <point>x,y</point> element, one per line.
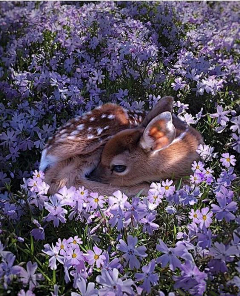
<point>111,148</point>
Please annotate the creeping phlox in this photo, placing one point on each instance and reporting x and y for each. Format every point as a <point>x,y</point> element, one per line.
<point>124,263</point>
<point>60,60</point>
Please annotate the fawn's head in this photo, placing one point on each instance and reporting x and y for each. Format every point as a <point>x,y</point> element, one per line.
<point>162,146</point>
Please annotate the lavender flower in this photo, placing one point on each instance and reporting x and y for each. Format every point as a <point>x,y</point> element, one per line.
<point>148,276</point>
<point>85,290</point>
<point>132,252</point>
<point>28,277</point>
<point>113,285</point>
<point>95,257</point>
<point>53,252</point>
<point>7,269</point>
<point>191,279</point>
<point>224,210</point>
<point>228,160</point>
<point>56,212</point>
<point>148,225</point>
<point>221,116</point>
<point>170,255</point>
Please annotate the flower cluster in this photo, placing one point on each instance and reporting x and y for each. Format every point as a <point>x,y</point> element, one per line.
<point>61,59</point>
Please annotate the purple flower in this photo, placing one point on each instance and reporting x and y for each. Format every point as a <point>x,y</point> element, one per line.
<point>148,276</point>
<point>66,196</point>
<point>226,177</point>
<point>53,252</point>
<point>74,242</point>
<point>96,201</point>
<point>170,255</point>
<point>38,233</point>
<point>56,212</point>
<point>134,211</point>
<point>198,166</point>
<point>206,152</point>
<point>188,118</point>
<point>29,277</point>
<point>221,256</point>
<point>178,84</point>
<point>117,200</point>
<point>95,257</point>
<point>27,293</point>
<point>168,188</point>
<point>74,256</point>
<point>228,160</point>
<point>221,116</point>
<point>113,285</point>
<point>236,124</point>
<point>131,251</point>
<point>148,225</point>
<point>117,218</point>
<point>7,269</point>
<point>110,265</point>
<point>191,279</point>
<point>224,192</point>
<point>236,144</point>
<point>205,217</point>
<point>85,290</point>
<point>223,211</point>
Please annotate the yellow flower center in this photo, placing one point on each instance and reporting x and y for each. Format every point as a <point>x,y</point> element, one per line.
<point>166,187</point>
<point>82,192</point>
<point>204,217</point>
<point>228,159</point>
<point>38,175</point>
<point>96,200</point>
<point>195,215</point>
<point>155,197</point>
<point>96,257</point>
<point>197,167</point>
<point>74,242</point>
<point>74,255</point>
<point>62,246</point>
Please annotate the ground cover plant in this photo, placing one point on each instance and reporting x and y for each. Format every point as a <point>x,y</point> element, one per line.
<point>59,60</point>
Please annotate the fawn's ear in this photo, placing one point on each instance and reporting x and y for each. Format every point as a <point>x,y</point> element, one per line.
<point>165,104</point>
<point>159,133</point>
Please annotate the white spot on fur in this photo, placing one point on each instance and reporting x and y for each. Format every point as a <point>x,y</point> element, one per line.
<point>92,119</point>
<point>89,129</point>
<point>104,115</point>
<point>89,137</point>
<point>62,131</point>
<point>106,127</point>
<point>63,136</point>
<point>71,137</point>
<point>46,160</point>
<point>99,131</point>
<point>77,118</point>
<point>80,127</point>
<point>74,133</point>
<point>111,116</point>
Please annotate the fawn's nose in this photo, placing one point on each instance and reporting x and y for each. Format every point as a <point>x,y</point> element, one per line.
<point>97,175</point>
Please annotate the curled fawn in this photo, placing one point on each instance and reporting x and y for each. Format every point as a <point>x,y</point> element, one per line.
<point>110,148</point>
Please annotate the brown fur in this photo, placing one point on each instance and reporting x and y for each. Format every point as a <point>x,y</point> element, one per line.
<point>120,143</point>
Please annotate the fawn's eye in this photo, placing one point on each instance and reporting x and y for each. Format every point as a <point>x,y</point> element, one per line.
<point>119,168</point>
